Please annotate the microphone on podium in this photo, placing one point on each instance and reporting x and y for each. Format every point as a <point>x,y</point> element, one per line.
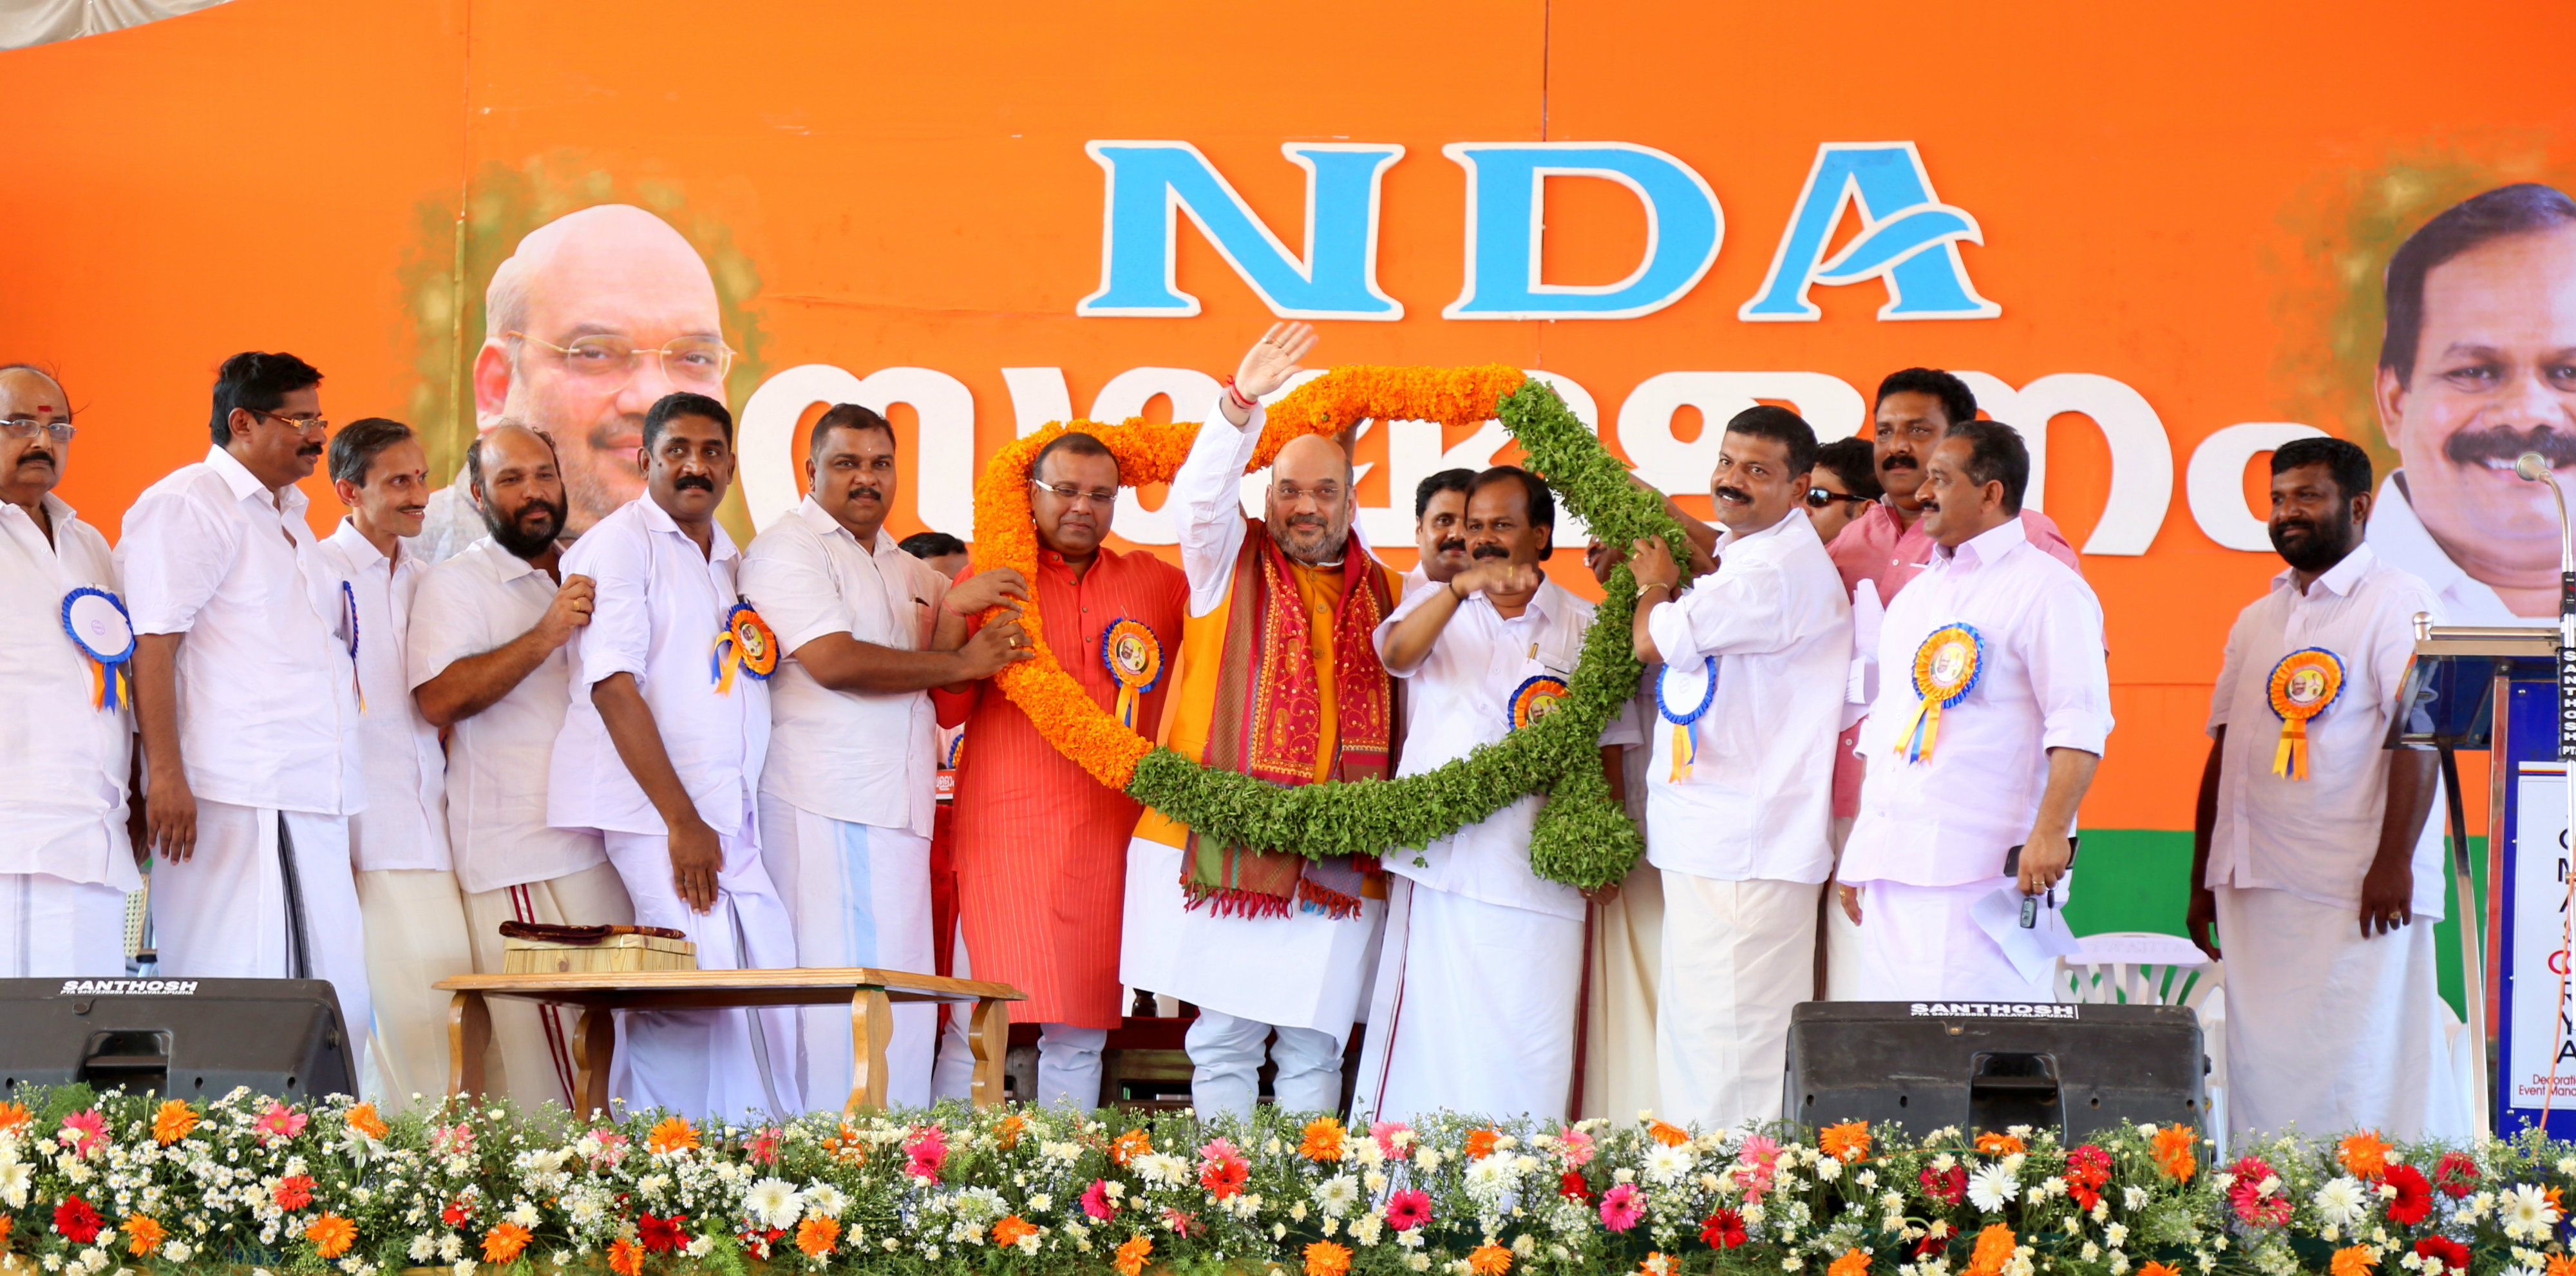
<point>2534,468</point>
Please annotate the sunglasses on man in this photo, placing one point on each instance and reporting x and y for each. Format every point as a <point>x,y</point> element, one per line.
<point>1818,498</point>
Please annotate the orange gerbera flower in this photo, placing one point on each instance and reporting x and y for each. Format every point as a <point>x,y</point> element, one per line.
<point>172,1121</point>
<point>1668,1134</point>
<point>816,1236</point>
<point>144,1234</point>
<point>332,1235</point>
<point>1132,1255</point>
<point>364,1120</point>
<point>1322,1140</point>
<point>1846,1142</point>
<point>1007,1134</point>
<point>2157,1269</point>
<point>2364,1155</point>
<point>2176,1151</point>
<point>2353,1260</point>
<point>671,1134</point>
<point>1852,1263</point>
<point>1480,1143</point>
<point>14,1116</point>
<point>1009,1231</point>
<point>1324,1258</point>
<point>626,1258</point>
<point>1130,1145</point>
<point>1993,1144</point>
<point>1994,1249</point>
<point>504,1242</point>
<point>1489,1260</point>
<point>2561,1265</point>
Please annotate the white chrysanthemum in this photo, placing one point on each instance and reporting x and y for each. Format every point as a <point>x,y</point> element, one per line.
<point>15,1178</point>
<point>1667,1164</point>
<point>1336,1195</point>
<point>823,1200</point>
<point>1162,1169</point>
<point>2342,1201</point>
<point>2526,1213</point>
<point>1990,1187</point>
<point>1490,1180</point>
<point>774,1202</point>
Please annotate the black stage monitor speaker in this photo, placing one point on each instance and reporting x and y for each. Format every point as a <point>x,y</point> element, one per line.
<point>1988,1065</point>
<point>186,1038</point>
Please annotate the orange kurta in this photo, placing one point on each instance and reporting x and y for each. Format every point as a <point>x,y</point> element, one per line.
<point>1041,847</point>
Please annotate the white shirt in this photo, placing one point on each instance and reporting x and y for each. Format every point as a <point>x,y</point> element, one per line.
<point>1461,697</point>
<point>480,600</point>
<point>1948,819</point>
<point>268,704</point>
<point>2315,837</point>
<point>2403,542</point>
<point>1758,802</point>
<point>661,606</point>
<point>405,823</point>
<point>62,810</point>
<point>846,755</point>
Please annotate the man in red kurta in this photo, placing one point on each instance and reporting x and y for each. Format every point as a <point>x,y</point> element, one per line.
<point>1041,846</point>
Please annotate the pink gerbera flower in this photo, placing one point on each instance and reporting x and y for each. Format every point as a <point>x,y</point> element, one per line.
<point>1575,1146</point>
<point>279,1122</point>
<point>1095,1201</point>
<point>1619,1208</point>
<point>925,1152</point>
<point>1384,1132</point>
<point>1222,1169</point>
<point>1408,1209</point>
<point>87,1129</point>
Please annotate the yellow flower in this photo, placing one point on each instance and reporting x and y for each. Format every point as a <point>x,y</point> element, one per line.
<point>1489,1260</point>
<point>816,1236</point>
<point>332,1236</point>
<point>1324,1258</point>
<point>504,1242</point>
<point>172,1121</point>
<point>1846,1142</point>
<point>144,1235</point>
<point>671,1134</point>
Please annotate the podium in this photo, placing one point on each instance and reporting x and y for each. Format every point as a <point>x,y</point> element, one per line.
<point>2496,689</point>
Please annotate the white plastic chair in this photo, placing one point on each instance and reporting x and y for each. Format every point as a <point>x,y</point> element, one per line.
<point>2146,968</point>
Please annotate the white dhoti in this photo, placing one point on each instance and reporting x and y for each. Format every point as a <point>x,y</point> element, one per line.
<point>531,1058</point>
<point>709,1063</point>
<point>415,924</point>
<point>1737,957</point>
<point>2329,1032</point>
<point>52,927</point>
<point>1841,937</point>
<point>1619,1021</point>
<point>232,911</point>
<point>1918,943</point>
<point>1474,1010</point>
<point>860,896</point>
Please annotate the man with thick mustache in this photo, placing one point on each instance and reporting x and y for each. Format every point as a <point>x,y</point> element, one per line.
<point>1886,542</point>
<point>246,696</point>
<point>490,663</point>
<point>1992,708</point>
<point>2314,859</point>
<point>1280,680</point>
<point>406,878</point>
<point>2477,366</point>
<point>66,861</point>
<point>846,803</point>
<point>661,755</point>
<point>1482,963</point>
<point>1739,799</point>
<point>1439,529</point>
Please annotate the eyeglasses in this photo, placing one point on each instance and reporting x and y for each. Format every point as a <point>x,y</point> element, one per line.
<point>296,422</point>
<point>25,428</point>
<point>690,360</point>
<point>1076,496</point>
<point>1818,498</point>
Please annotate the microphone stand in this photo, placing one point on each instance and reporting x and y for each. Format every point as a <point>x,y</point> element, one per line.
<point>2535,468</point>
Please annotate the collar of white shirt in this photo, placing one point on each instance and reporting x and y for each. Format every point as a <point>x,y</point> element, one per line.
<point>57,510</point>
<point>824,524</point>
<point>1727,536</point>
<point>2337,580</point>
<point>506,565</point>
<point>659,520</point>
<point>1984,548</point>
<point>362,553</point>
<point>243,483</point>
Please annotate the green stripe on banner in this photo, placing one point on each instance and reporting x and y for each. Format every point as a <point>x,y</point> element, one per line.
<point>2140,879</point>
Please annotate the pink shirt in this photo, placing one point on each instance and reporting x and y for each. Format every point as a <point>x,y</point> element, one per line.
<point>1875,548</point>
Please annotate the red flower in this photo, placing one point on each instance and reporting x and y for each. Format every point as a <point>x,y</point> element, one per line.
<point>454,1214</point>
<point>2454,1255</point>
<point>77,1221</point>
<point>294,1192</point>
<point>1723,1229</point>
<point>1947,1186</point>
<point>1930,1245</point>
<point>2455,1174</point>
<point>1570,1186</point>
<point>2414,1196</point>
<point>1408,1209</point>
<point>661,1235</point>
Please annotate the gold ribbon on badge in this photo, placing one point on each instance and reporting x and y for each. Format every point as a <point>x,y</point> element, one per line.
<point>1946,668</point>
<point>747,645</point>
<point>100,627</point>
<point>2302,686</point>
<point>1134,657</point>
<point>1685,742</point>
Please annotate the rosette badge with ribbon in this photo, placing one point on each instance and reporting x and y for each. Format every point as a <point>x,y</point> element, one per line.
<point>99,625</point>
<point>1946,668</point>
<point>1685,744</point>
<point>2303,685</point>
<point>746,645</point>
<point>1134,657</point>
<point>1536,697</point>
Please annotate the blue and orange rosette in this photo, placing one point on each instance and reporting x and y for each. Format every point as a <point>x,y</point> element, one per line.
<point>2304,684</point>
<point>1946,668</point>
<point>1134,657</point>
<point>746,645</point>
<point>103,630</point>
<point>1535,698</point>
<point>1685,747</point>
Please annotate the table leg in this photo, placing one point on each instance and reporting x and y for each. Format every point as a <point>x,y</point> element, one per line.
<point>469,1035</point>
<point>592,1048</point>
<point>988,1037</point>
<point>871,1026</point>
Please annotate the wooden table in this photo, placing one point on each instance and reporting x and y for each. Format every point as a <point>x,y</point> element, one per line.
<point>871,993</point>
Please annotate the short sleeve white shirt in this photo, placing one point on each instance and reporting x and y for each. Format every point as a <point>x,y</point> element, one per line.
<point>482,599</point>
<point>62,811</point>
<point>1758,799</point>
<point>845,755</point>
<point>1460,697</point>
<point>268,704</point>
<point>1948,819</point>
<point>405,823</point>
<point>660,606</point>
<point>2315,838</point>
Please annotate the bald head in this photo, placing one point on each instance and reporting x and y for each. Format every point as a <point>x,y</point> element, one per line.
<point>599,252</point>
<point>1310,500</point>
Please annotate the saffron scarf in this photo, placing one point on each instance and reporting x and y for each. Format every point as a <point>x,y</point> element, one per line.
<point>1268,723</point>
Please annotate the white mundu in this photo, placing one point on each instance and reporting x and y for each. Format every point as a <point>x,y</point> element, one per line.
<point>65,864</point>
<point>509,864</point>
<point>661,604</point>
<point>1743,835</point>
<point>1481,969</point>
<point>415,923</point>
<point>1933,832</point>
<point>268,732</point>
<point>2326,1030</point>
<point>847,796</point>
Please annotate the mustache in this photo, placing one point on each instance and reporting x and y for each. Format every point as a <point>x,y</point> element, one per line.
<point>1725,493</point>
<point>1900,461</point>
<point>693,482</point>
<point>867,493</point>
<point>1453,545</point>
<point>35,455</point>
<point>1489,551</point>
<point>2500,444</point>
<point>309,449</point>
